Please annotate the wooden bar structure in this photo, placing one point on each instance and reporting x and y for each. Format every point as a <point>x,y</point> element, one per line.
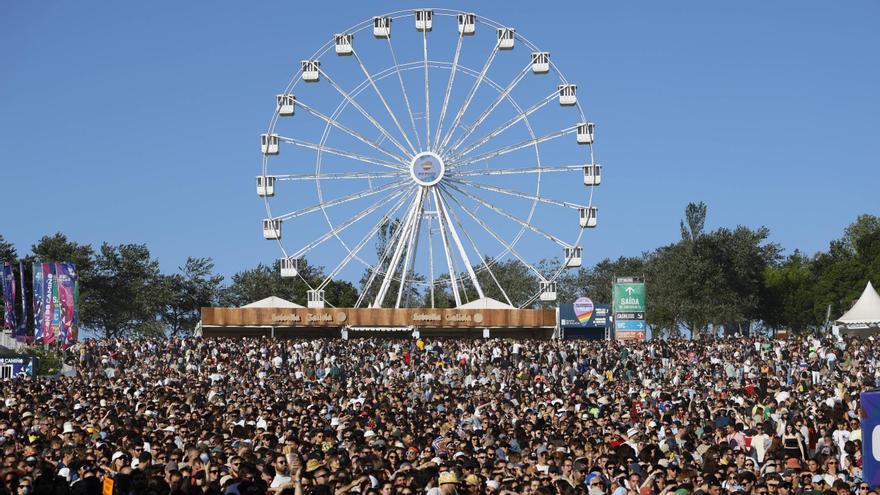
<point>329,321</point>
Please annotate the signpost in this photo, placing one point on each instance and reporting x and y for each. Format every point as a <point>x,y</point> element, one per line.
<point>628,294</point>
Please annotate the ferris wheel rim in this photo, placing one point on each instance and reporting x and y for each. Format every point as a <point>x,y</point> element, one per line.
<point>396,67</point>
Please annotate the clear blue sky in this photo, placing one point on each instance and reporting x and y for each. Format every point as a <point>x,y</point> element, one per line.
<point>137,121</point>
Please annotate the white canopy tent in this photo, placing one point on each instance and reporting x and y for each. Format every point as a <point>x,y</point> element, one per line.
<point>272,302</point>
<point>485,303</point>
<point>864,317</point>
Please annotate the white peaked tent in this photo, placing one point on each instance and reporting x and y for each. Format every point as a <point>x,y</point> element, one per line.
<point>486,303</point>
<point>272,302</point>
<point>864,316</point>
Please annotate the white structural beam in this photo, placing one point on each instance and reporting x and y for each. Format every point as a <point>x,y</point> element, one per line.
<point>351,132</point>
<point>509,216</point>
<point>348,154</point>
<point>411,245</point>
<point>377,268</point>
<point>398,252</point>
<point>427,94</point>
<point>384,101</point>
<point>479,255</point>
<point>351,101</point>
<point>338,201</point>
<point>518,194</point>
<point>448,90</point>
<point>514,147</point>
<point>491,108</point>
<point>522,114</point>
<point>342,175</point>
<point>461,251</point>
<point>516,170</point>
<point>348,223</point>
<point>431,256</point>
<point>453,277</point>
<point>497,237</point>
<point>470,97</point>
<point>412,119</point>
<point>360,245</point>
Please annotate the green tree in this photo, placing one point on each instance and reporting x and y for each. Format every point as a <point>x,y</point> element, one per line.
<point>250,285</point>
<point>694,221</point>
<point>186,292</point>
<point>788,294</point>
<point>863,227</point>
<point>127,290</point>
<point>709,278</point>
<point>7,250</point>
<point>843,271</point>
<point>341,294</point>
<point>263,281</point>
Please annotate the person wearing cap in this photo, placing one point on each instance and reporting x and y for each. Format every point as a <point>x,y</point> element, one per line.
<point>119,461</point>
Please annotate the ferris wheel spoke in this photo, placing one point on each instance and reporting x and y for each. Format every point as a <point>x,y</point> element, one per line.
<point>412,119</point>
<point>398,251</point>
<point>516,171</point>
<point>377,268</point>
<point>510,216</point>
<point>513,147</point>
<point>351,101</point>
<point>431,256</point>
<point>508,247</point>
<point>411,246</point>
<point>348,223</point>
<point>461,251</point>
<point>517,194</point>
<point>348,154</point>
<point>338,201</point>
<point>470,97</point>
<point>363,242</point>
<point>360,137</point>
<point>427,93</point>
<point>469,129</point>
<point>340,175</point>
<point>524,114</point>
<point>448,90</point>
<point>479,254</point>
<point>384,101</point>
<point>453,278</point>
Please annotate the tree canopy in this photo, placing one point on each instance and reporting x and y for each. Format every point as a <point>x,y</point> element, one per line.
<point>734,278</point>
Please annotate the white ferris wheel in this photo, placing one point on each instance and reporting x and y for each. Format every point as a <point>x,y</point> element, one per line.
<point>426,150</point>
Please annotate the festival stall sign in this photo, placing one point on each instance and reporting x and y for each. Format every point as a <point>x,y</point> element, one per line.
<point>584,320</point>
<point>379,317</point>
<point>17,366</point>
<point>628,296</point>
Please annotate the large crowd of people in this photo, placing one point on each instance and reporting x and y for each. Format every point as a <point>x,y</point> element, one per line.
<point>752,416</point>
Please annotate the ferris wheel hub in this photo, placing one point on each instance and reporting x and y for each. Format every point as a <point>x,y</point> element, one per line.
<point>427,168</point>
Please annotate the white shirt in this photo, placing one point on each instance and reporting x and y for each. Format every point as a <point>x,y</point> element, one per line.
<point>279,480</point>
